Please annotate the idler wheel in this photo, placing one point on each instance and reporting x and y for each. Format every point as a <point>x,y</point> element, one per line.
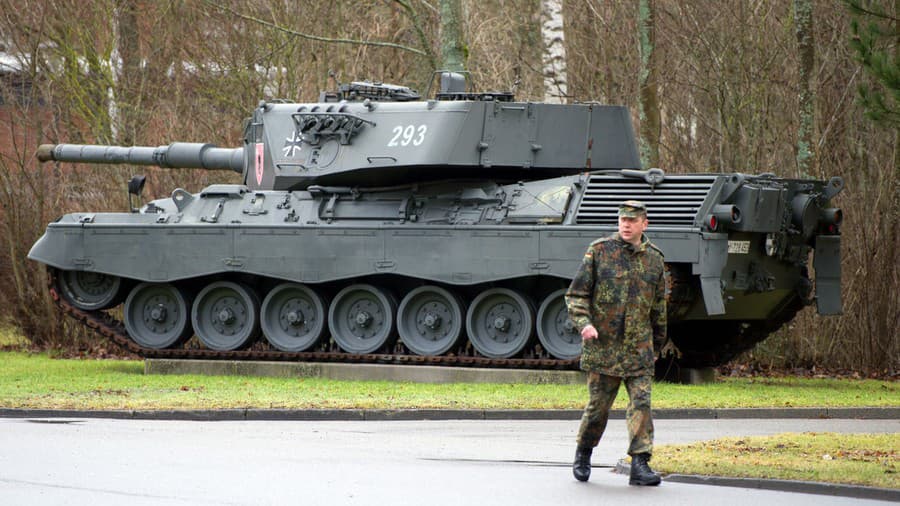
<point>556,332</point>
<point>226,316</point>
<point>361,318</point>
<point>90,291</point>
<point>157,315</point>
<point>500,323</point>
<point>293,317</point>
<point>430,320</point>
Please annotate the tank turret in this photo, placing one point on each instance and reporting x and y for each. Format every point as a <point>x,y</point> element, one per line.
<point>368,134</point>
<point>394,142</point>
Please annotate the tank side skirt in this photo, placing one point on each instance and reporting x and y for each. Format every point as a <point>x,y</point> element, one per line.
<point>453,255</point>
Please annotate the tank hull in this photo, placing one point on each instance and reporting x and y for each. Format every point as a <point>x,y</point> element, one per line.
<point>462,256</point>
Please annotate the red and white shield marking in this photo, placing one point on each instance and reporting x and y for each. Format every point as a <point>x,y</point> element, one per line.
<point>259,162</point>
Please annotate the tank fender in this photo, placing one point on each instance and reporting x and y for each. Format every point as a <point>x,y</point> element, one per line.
<point>827,263</point>
<point>50,249</point>
<point>713,256</point>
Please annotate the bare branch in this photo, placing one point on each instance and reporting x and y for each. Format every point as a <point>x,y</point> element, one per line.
<point>856,7</point>
<point>420,32</point>
<point>315,37</point>
<point>430,7</point>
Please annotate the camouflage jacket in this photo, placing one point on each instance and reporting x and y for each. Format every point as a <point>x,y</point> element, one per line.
<point>621,290</point>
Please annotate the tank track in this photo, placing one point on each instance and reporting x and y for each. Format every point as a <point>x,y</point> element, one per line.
<point>108,327</point>
<point>729,339</point>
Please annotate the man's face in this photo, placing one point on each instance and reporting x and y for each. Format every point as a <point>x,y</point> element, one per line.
<point>631,228</point>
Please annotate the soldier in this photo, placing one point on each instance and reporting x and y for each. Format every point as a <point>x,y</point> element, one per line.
<point>617,299</point>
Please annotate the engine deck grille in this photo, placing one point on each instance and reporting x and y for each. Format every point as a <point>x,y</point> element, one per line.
<point>674,202</point>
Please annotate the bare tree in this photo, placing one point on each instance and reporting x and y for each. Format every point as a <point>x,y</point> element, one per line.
<point>125,60</point>
<point>649,110</point>
<point>554,56</point>
<point>453,48</point>
<point>806,51</point>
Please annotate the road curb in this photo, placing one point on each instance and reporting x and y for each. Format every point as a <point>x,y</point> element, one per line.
<point>798,486</point>
<point>801,487</point>
<point>873,413</point>
<point>362,372</point>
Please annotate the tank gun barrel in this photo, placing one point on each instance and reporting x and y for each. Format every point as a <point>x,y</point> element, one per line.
<point>188,155</point>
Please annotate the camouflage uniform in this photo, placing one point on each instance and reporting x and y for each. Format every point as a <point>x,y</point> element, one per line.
<point>620,290</point>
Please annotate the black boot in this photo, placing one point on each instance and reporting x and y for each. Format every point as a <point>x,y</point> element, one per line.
<point>582,466</point>
<point>641,474</point>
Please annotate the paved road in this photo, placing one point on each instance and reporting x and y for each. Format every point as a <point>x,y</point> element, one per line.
<point>497,463</point>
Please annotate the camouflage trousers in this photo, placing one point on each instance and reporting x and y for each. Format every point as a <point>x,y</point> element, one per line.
<point>603,390</point>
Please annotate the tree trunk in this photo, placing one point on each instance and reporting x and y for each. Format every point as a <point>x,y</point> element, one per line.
<point>125,62</point>
<point>896,55</point>
<point>649,112</point>
<point>453,49</point>
<point>803,16</point>
<point>554,60</point>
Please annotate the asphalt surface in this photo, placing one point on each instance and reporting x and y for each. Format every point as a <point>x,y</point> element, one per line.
<point>97,461</point>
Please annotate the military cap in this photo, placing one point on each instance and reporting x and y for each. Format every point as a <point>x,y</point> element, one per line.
<point>632,209</point>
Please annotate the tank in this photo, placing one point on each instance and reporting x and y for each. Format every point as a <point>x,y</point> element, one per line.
<point>378,226</point>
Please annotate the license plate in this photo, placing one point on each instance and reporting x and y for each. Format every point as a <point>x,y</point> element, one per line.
<point>739,247</point>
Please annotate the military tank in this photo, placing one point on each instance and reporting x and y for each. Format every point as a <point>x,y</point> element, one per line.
<point>378,226</point>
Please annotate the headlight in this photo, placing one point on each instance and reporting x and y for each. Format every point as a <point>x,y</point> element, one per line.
<point>805,215</point>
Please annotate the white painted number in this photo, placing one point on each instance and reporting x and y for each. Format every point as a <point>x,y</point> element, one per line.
<point>403,136</point>
<point>421,137</point>
<point>397,131</point>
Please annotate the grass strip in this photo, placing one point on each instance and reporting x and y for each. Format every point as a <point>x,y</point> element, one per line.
<point>40,382</point>
<point>853,459</point>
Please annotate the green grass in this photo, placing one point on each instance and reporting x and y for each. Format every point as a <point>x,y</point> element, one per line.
<point>857,459</point>
<point>38,381</point>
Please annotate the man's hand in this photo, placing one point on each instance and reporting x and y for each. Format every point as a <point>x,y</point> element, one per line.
<point>588,332</point>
